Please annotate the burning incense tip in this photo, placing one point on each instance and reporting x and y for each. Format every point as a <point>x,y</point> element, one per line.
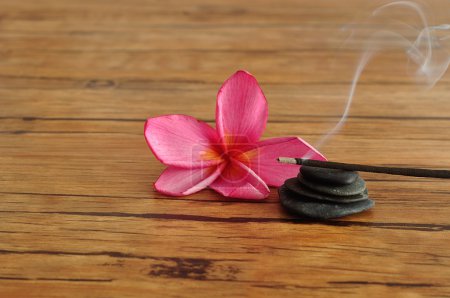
<point>288,160</point>
<point>414,172</point>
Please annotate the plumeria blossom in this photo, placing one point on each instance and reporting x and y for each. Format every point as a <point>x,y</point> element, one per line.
<point>229,158</point>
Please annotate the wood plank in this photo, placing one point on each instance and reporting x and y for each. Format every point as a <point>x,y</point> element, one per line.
<point>145,262</point>
<point>136,69</point>
<point>286,102</point>
<point>136,14</point>
<point>129,158</point>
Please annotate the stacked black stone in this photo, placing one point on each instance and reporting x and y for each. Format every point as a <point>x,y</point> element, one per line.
<point>325,193</point>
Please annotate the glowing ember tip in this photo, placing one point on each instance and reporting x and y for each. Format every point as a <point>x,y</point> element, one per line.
<point>288,160</point>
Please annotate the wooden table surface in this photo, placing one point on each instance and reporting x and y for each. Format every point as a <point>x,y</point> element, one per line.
<point>79,215</point>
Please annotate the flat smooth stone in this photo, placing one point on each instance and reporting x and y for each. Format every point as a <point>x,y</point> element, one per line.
<point>319,209</point>
<point>294,186</point>
<point>329,176</point>
<point>355,188</point>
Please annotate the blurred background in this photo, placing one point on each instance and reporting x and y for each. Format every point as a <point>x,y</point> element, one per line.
<point>131,60</point>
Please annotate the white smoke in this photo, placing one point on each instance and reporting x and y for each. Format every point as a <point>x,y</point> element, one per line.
<point>422,42</point>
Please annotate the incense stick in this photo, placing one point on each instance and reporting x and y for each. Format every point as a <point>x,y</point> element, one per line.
<point>415,172</point>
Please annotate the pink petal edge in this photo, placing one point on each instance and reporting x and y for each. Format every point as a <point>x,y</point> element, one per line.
<point>181,140</point>
<point>263,159</point>
<point>181,182</point>
<point>239,181</point>
<point>241,110</point>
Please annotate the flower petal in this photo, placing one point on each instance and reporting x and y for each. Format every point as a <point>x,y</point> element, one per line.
<point>181,182</point>
<point>263,159</point>
<point>239,181</point>
<point>182,141</point>
<point>241,112</point>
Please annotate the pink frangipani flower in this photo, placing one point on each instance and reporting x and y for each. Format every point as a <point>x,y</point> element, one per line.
<point>230,158</point>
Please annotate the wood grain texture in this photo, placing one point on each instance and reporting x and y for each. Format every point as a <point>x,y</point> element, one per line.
<point>79,215</point>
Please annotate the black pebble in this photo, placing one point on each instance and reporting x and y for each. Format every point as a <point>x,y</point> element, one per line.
<point>319,209</point>
<point>355,188</point>
<point>294,186</point>
<point>329,176</point>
